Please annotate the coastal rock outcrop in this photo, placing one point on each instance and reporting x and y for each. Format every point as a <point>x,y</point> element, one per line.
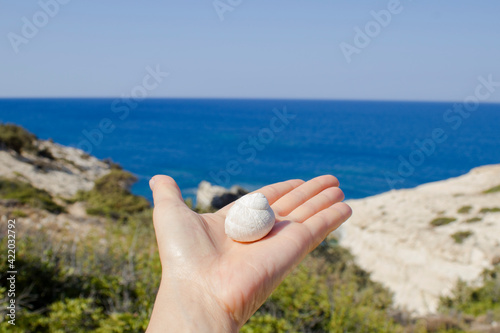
<point>60,170</point>
<point>419,242</point>
<point>214,196</point>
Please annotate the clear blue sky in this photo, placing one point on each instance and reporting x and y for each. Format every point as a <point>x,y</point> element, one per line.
<point>431,50</point>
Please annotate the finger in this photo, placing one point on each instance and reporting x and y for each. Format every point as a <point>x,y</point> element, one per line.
<point>326,221</point>
<point>287,203</point>
<point>316,204</point>
<point>165,191</point>
<point>273,192</point>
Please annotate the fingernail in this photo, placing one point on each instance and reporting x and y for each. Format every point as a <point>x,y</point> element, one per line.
<point>152,183</point>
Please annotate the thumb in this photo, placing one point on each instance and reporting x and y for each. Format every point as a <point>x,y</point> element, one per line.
<point>165,191</point>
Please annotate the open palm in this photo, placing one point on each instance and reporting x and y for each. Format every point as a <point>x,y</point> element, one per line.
<point>236,277</point>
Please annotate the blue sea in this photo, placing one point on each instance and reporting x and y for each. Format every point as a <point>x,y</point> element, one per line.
<point>371,147</point>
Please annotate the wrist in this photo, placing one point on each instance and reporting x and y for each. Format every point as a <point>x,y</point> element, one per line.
<point>182,306</point>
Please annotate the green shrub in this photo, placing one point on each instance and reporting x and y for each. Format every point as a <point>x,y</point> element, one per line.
<point>443,324</point>
<point>123,323</point>
<point>16,138</point>
<point>460,236</point>
<point>18,213</point>
<point>439,221</point>
<point>111,196</point>
<point>476,300</point>
<point>464,209</point>
<point>493,190</point>
<point>490,210</point>
<point>73,315</point>
<point>266,323</point>
<point>112,164</point>
<point>473,220</point>
<point>27,194</point>
<point>98,284</point>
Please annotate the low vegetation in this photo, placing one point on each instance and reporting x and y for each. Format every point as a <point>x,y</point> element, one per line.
<point>494,189</point>
<point>464,209</point>
<point>92,284</point>
<point>25,193</point>
<point>16,138</point>
<point>20,140</point>
<point>490,210</point>
<point>111,196</point>
<point>473,220</point>
<point>460,236</point>
<point>474,300</point>
<point>439,221</point>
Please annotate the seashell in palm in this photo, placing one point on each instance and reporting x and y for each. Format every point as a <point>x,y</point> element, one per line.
<point>250,218</point>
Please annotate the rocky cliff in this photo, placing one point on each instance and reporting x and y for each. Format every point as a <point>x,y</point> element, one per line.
<point>60,170</point>
<point>419,242</point>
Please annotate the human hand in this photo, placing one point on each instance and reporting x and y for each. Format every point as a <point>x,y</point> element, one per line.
<point>211,283</point>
